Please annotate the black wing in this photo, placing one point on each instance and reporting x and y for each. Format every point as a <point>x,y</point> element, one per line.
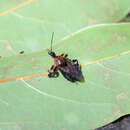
<point>72,71</point>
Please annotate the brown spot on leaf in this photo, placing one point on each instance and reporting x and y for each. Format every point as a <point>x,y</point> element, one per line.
<point>91,21</point>
<point>9,47</point>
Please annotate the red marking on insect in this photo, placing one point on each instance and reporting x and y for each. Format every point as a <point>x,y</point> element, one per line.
<point>70,69</point>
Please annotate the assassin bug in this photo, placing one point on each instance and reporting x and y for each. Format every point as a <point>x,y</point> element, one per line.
<point>70,69</point>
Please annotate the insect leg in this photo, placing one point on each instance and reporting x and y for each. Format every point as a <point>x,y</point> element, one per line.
<point>53,72</point>
<point>66,55</point>
<point>62,54</point>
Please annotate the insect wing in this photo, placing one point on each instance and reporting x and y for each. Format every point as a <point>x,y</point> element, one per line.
<point>71,72</point>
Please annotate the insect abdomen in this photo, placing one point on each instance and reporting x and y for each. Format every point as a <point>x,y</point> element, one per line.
<point>72,72</point>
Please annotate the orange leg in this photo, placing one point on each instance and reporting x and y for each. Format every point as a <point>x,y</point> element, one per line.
<point>64,55</point>
<point>51,69</point>
<point>53,72</point>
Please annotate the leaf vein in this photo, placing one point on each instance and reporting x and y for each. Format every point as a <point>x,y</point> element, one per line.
<point>17,7</point>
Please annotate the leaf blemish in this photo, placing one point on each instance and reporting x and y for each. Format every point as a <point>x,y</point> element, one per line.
<point>21,52</point>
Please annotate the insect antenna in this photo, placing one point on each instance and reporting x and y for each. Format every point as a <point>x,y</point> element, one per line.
<point>50,52</point>
<point>52,40</point>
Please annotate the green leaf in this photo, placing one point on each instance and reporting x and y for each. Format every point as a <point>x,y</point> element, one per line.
<point>44,103</point>
<point>33,24</point>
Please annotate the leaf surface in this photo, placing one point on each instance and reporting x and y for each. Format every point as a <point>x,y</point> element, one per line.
<point>26,23</point>
<point>43,103</point>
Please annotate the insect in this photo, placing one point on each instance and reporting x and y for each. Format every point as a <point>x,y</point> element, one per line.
<point>70,69</point>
